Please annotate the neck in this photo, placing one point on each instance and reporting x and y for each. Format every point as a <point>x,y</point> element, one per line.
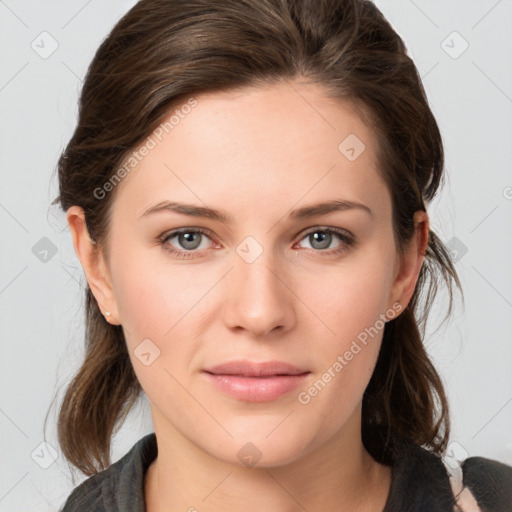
<point>338,475</point>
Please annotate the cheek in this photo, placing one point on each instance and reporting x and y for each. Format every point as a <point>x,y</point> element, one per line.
<point>346,359</point>
<point>350,298</point>
<point>152,295</point>
<point>350,302</point>
<point>139,302</point>
<point>159,305</point>
<point>153,311</point>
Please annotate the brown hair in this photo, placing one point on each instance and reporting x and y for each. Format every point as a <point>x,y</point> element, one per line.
<point>162,52</point>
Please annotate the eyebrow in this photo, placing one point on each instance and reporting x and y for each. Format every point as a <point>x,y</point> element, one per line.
<point>305,212</point>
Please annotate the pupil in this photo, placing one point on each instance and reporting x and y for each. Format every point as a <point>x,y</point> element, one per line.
<point>322,236</point>
<point>188,241</point>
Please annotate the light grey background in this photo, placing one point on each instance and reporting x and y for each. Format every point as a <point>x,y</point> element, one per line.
<point>41,293</point>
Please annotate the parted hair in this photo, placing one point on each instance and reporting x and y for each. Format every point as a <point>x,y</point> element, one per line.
<point>162,52</point>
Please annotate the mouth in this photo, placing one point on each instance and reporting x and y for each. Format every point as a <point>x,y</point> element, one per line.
<point>250,369</point>
<point>255,382</point>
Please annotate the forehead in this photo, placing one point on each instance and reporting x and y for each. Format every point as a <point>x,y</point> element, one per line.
<point>253,147</point>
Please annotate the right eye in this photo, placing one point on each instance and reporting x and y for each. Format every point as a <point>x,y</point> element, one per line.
<point>188,238</point>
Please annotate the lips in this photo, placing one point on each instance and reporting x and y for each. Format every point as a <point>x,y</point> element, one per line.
<point>244,368</point>
<point>255,382</point>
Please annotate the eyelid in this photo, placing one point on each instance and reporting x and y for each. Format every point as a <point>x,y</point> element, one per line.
<point>346,237</point>
<point>304,232</point>
<point>194,229</point>
<point>339,231</point>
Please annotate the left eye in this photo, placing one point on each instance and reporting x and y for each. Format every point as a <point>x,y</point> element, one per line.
<point>320,239</point>
<point>190,240</point>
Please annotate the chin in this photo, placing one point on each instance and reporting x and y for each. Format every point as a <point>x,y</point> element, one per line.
<point>259,451</point>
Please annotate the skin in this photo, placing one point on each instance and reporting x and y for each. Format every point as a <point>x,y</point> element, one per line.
<point>255,153</point>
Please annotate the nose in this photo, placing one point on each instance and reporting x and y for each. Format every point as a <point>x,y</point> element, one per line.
<point>258,298</point>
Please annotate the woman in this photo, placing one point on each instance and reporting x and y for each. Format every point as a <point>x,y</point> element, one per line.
<point>246,190</point>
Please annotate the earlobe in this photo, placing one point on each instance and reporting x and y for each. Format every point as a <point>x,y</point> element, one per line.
<point>410,264</point>
<point>93,263</point>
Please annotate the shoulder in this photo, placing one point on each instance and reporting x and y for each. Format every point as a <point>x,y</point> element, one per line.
<point>423,481</point>
<point>120,487</point>
<point>420,482</point>
<point>484,485</point>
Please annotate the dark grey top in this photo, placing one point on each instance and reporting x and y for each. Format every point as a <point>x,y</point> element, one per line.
<point>420,483</point>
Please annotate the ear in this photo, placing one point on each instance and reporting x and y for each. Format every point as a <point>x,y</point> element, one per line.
<point>408,267</point>
<point>93,262</point>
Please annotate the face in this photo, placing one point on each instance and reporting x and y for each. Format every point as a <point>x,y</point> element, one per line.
<point>263,282</point>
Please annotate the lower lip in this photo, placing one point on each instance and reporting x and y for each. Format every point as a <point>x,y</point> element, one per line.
<point>256,389</point>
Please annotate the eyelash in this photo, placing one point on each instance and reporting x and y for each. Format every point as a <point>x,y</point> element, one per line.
<point>348,241</point>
